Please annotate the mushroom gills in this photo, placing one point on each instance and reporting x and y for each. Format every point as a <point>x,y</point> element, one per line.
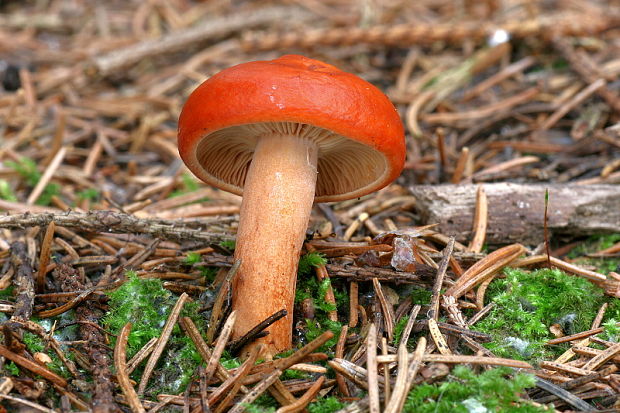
<point>344,165</point>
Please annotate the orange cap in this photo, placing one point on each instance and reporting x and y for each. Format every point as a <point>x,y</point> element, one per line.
<point>358,130</point>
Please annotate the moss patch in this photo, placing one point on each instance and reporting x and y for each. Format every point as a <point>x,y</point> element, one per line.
<point>528,303</point>
<point>465,392</point>
<point>147,305</point>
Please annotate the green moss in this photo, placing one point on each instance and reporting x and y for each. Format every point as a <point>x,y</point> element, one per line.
<point>613,309</point>
<point>188,184</point>
<point>465,392</point>
<point>228,244</point>
<point>325,405</point>
<point>309,261</point>
<point>421,296</point>
<point>7,292</point>
<point>147,305</point>
<point>229,362</point>
<point>11,369</point>
<point>309,287</point>
<point>209,273</point>
<point>91,194</point>
<point>315,328</point>
<point>291,374</point>
<point>528,303</point>
<point>398,329</point>
<point>263,404</point>
<point>33,343</point>
<point>144,303</point>
<point>27,169</point>
<point>6,192</point>
<point>192,258</point>
<point>611,330</point>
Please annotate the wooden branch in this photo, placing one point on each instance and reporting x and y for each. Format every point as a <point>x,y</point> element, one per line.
<point>190,37</point>
<point>516,211</point>
<point>109,221</point>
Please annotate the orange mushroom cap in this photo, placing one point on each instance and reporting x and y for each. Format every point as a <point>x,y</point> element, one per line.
<point>357,129</point>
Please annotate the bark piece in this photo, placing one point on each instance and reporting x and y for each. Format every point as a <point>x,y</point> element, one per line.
<point>516,211</point>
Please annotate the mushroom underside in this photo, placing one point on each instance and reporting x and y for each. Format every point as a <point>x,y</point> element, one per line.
<point>344,165</point>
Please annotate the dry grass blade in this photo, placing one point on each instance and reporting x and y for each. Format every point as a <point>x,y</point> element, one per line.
<point>279,392</point>
<point>394,404</point>
<point>339,353</point>
<point>485,361</point>
<point>372,369</point>
<point>232,380</point>
<point>28,403</point>
<point>461,359</point>
<point>304,400</point>
<point>482,112</point>
<point>566,368</point>
<point>602,358</point>
<point>457,176</point>
<point>414,366</point>
<point>119,59</point>
<point>353,372</point>
<point>142,354</point>
<point>387,389</point>
<point>222,340</point>
<point>231,386</point>
<point>47,175</point>
<point>255,332</point>
<point>568,106</point>
<point>165,402</point>
<point>33,367</point>
<point>498,77</point>
<point>386,309</point>
<point>568,354</point>
<point>576,336</point>
<point>256,391</point>
<point>67,306</point>
<point>573,269</point>
<point>353,294</point>
<point>438,338</point>
<point>579,381</point>
<point>409,326</point>
<point>571,399</point>
<point>44,257</point>
<point>220,299</point>
<point>303,352</point>
<point>481,216</point>
<point>161,342</point>
<point>192,331</point>
<point>433,311</point>
<point>485,268</point>
<point>120,363</point>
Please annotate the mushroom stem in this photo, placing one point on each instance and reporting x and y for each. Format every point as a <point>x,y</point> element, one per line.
<point>277,201</point>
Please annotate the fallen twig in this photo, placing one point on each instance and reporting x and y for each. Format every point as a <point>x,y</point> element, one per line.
<point>120,363</point>
<point>109,221</point>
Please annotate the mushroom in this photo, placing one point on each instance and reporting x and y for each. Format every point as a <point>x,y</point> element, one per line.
<point>284,134</point>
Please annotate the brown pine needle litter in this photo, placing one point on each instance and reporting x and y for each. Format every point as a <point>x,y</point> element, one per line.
<point>501,101</point>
